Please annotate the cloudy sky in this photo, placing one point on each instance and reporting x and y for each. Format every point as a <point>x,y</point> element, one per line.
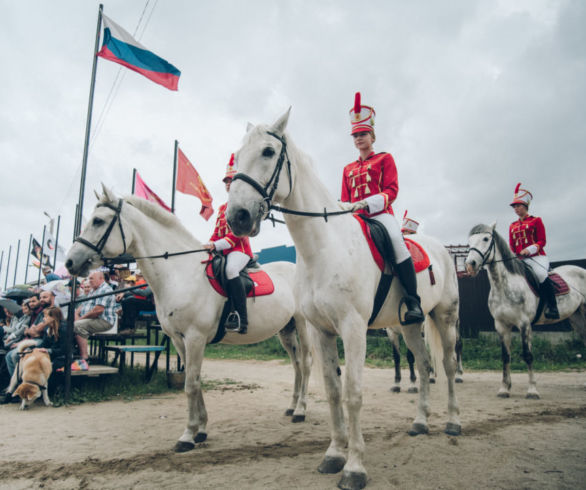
<point>472,96</point>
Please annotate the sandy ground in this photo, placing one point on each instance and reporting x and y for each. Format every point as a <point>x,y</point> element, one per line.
<point>506,443</point>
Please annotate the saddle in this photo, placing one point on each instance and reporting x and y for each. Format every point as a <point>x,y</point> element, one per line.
<point>381,248</point>
<point>560,286</point>
<point>256,283</point>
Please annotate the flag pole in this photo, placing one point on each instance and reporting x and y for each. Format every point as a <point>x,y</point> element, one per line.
<point>28,254</point>
<point>42,256</point>
<point>77,227</point>
<point>16,263</point>
<point>133,180</point>
<point>174,176</point>
<point>1,262</point>
<point>56,243</point>
<point>7,267</point>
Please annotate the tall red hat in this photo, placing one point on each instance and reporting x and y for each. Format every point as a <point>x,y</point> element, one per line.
<point>522,196</point>
<point>409,225</point>
<point>361,116</point>
<point>230,169</point>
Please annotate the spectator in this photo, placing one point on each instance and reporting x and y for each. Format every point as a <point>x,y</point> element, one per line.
<point>99,317</point>
<point>133,302</point>
<point>55,337</point>
<point>15,333</point>
<point>49,274</point>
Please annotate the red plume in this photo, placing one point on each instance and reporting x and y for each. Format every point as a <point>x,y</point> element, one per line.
<point>405,215</point>
<point>231,162</point>
<point>517,188</point>
<point>357,104</point>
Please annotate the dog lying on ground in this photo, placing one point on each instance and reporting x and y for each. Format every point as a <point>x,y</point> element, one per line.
<point>33,370</point>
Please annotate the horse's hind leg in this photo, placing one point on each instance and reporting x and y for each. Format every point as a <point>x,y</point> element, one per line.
<point>459,368</point>
<point>528,357</point>
<point>505,335</point>
<point>412,377</point>
<point>414,341</point>
<point>197,416</point>
<point>394,338</point>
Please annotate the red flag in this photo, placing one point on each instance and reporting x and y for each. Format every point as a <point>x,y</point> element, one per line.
<point>144,191</point>
<point>189,182</point>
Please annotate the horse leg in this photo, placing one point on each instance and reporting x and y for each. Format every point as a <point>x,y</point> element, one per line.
<point>414,341</point>
<point>327,352</point>
<point>288,339</point>
<point>528,357</point>
<point>197,416</point>
<point>353,332</point>
<point>412,377</point>
<point>459,368</point>
<point>505,334</point>
<point>394,338</point>
<point>304,353</point>
<point>578,322</point>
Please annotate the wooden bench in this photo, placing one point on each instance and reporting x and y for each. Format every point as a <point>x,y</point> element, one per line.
<point>121,350</point>
<point>96,370</point>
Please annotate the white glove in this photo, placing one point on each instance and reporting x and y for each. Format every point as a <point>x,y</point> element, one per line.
<point>353,206</point>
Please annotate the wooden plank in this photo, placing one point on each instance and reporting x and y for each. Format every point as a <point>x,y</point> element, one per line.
<point>135,348</point>
<point>96,370</point>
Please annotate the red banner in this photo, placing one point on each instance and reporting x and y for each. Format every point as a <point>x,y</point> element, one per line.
<point>189,182</point>
<point>144,191</point>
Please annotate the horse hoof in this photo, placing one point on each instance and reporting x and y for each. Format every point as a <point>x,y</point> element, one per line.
<point>395,389</point>
<point>453,429</point>
<point>289,412</point>
<point>331,465</point>
<point>459,380</point>
<point>200,437</point>
<point>183,447</point>
<point>298,418</point>
<point>431,381</point>
<point>417,429</point>
<point>532,396</point>
<point>352,481</point>
<point>503,394</point>
<point>413,389</point>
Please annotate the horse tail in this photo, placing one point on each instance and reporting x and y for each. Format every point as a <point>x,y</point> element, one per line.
<point>433,341</point>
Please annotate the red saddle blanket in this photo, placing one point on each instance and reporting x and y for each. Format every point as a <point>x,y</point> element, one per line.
<point>263,284</point>
<point>418,254</point>
<point>559,285</point>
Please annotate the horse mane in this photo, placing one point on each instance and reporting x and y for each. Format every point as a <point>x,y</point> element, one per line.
<point>511,262</point>
<point>160,215</point>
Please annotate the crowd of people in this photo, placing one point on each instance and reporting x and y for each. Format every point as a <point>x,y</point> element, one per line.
<point>41,317</point>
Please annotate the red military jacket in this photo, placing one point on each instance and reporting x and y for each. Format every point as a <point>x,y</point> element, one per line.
<point>375,175</point>
<point>223,231</point>
<point>523,234</point>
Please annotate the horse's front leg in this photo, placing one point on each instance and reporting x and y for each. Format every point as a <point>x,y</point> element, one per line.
<point>197,416</point>
<point>505,335</point>
<point>415,342</point>
<point>528,357</point>
<point>394,338</point>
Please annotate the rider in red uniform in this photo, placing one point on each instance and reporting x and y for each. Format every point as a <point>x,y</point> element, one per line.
<point>239,253</point>
<point>527,240</point>
<point>371,183</point>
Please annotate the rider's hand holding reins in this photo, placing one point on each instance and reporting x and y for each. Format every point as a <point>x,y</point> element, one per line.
<point>210,246</point>
<point>353,206</point>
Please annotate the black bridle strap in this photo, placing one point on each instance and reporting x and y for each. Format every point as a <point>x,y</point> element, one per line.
<point>98,247</point>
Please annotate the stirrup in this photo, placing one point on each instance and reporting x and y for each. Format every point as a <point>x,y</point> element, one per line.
<point>232,323</point>
<point>551,314</point>
<point>414,312</point>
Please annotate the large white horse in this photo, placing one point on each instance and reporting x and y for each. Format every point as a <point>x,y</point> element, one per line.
<point>187,306</point>
<point>512,303</point>
<point>336,283</point>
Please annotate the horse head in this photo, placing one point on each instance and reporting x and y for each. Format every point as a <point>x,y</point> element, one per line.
<point>264,176</point>
<point>482,245</point>
<point>103,236</point>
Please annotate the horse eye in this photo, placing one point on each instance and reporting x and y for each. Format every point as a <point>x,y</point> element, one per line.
<point>268,152</point>
<point>98,222</point>
<point>485,239</point>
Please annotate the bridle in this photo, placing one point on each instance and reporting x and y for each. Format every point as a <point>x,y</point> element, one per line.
<point>485,256</point>
<point>98,247</point>
<point>268,191</point>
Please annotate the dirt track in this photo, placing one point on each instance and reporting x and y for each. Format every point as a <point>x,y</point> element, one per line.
<point>506,443</point>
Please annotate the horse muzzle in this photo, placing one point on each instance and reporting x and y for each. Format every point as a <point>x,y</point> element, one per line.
<point>79,264</point>
<point>242,222</point>
<point>471,267</point>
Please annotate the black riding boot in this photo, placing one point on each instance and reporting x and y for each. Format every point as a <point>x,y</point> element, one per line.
<point>406,273</point>
<point>237,321</point>
<point>548,294</point>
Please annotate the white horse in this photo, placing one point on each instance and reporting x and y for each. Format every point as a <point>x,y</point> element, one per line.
<point>336,283</point>
<point>187,306</point>
<point>512,303</point>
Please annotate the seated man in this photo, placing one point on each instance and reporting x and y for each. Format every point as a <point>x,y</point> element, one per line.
<point>97,316</point>
<point>133,302</point>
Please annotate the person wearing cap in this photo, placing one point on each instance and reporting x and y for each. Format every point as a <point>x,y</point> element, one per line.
<point>371,184</point>
<point>527,241</point>
<point>409,225</point>
<point>49,274</point>
<point>238,254</point>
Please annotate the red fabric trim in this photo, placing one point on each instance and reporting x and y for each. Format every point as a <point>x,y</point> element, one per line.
<point>263,284</point>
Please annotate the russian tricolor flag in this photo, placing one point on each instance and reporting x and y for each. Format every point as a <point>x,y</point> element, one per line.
<point>120,47</point>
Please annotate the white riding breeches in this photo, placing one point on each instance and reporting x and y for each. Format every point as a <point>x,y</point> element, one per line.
<point>235,262</point>
<point>392,227</point>
<point>539,265</point>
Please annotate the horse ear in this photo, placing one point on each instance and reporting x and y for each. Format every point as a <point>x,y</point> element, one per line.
<point>249,126</point>
<point>108,194</point>
<point>280,124</point>
<point>97,195</point>
<point>493,226</point>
